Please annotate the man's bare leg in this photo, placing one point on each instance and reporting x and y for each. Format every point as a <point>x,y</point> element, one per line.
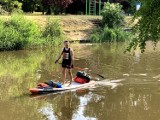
<point>70,75</point>
<point>63,75</point>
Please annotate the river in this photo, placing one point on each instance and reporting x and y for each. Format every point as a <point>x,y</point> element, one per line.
<point>129,91</point>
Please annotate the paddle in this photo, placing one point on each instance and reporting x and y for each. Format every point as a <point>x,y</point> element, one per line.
<point>78,68</point>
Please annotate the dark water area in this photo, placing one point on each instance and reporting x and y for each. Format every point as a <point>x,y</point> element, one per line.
<point>129,91</point>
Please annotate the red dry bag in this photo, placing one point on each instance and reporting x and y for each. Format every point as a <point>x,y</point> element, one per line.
<point>79,80</point>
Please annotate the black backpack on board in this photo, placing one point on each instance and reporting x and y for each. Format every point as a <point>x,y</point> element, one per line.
<point>83,75</point>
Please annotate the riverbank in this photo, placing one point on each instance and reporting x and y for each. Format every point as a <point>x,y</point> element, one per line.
<point>75,27</point>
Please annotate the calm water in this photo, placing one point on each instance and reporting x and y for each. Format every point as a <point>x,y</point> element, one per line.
<point>130,90</point>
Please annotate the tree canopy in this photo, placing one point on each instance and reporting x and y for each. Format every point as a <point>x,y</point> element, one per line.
<point>148,26</point>
<point>58,6</point>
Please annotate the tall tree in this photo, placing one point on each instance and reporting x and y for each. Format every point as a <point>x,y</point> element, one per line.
<point>11,5</point>
<point>148,26</point>
<point>56,5</point>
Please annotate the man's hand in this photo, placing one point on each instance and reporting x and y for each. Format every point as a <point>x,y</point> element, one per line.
<point>56,61</point>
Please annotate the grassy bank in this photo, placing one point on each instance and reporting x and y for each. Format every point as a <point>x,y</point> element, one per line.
<point>18,32</point>
<point>40,30</point>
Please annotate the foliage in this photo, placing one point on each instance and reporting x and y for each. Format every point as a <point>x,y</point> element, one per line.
<point>57,6</point>
<point>53,32</point>
<point>2,11</point>
<point>148,25</point>
<point>110,35</point>
<point>111,30</point>
<point>12,6</point>
<point>112,15</point>
<point>31,5</point>
<point>130,7</point>
<point>17,33</point>
<point>95,36</point>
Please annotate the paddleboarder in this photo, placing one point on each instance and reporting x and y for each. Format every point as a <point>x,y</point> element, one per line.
<point>67,61</point>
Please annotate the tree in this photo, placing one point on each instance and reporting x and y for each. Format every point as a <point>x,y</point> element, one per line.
<point>148,26</point>
<point>31,5</point>
<point>58,6</point>
<point>11,5</point>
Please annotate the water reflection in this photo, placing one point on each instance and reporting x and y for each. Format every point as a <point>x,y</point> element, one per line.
<point>130,90</point>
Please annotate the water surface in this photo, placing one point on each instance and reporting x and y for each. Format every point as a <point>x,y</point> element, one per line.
<point>130,90</point>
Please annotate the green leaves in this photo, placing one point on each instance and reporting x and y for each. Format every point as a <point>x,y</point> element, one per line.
<point>148,25</point>
<point>112,15</point>
<point>53,31</point>
<point>12,6</point>
<point>17,33</point>
<point>2,11</point>
<point>112,21</point>
<point>110,35</point>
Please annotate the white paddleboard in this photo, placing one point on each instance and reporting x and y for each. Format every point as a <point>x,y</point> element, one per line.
<point>73,85</point>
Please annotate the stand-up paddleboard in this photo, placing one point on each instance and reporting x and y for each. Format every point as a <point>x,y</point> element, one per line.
<point>74,85</point>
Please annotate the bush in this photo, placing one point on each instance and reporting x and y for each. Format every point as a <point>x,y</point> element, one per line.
<point>53,32</point>
<point>111,30</point>
<point>2,11</point>
<point>112,15</point>
<point>94,37</point>
<point>12,6</point>
<point>17,33</point>
<point>110,35</point>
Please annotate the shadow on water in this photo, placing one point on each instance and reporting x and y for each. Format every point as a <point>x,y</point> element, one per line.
<point>130,90</point>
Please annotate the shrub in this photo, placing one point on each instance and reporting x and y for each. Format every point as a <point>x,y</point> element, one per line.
<point>17,33</point>
<point>94,37</point>
<point>53,32</point>
<point>111,30</point>
<point>12,6</point>
<point>56,6</point>
<point>2,11</point>
<point>112,15</point>
<point>110,35</point>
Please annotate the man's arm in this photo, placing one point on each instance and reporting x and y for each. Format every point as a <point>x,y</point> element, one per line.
<point>59,57</point>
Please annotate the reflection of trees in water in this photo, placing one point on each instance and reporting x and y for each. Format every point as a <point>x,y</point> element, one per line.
<point>110,60</point>
<point>127,103</point>
<point>20,108</point>
<point>107,58</point>
<point>48,69</point>
<point>64,106</point>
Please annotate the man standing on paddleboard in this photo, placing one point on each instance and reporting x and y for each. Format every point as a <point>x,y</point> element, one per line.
<point>67,61</point>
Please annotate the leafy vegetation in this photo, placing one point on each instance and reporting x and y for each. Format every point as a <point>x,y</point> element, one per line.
<point>148,25</point>
<point>53,32</point>
<point>19,32</point>
<point>2,11</point>
<point>11,5</point>
<point>112,16</point>
<point>111,30</point>
<point>56,6</point>
<point>110,35</point>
